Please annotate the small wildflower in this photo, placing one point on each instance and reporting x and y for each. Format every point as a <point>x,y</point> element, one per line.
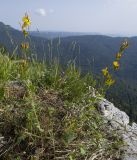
<point>108,78</point>
<point>105,71</point>
<point>109,82</point>
<point>118,56</point>
<point>25,45</point>
<point>116,65</point>
<point>26,21</point>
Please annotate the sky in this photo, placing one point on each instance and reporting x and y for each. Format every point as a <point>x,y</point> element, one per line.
<point>101,16</point>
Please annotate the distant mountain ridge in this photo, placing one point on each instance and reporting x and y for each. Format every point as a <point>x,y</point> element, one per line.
<point>3,26</point>
<point>56,34</point>
<point>51,35</point>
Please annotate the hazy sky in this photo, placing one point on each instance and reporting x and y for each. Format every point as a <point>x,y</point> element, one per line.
<point>103,16</point>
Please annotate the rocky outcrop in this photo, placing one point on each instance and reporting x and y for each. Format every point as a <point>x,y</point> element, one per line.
<point>119,121</point>
<point>114,118</point>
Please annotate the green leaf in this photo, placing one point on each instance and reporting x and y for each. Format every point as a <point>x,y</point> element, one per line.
<point>71,158</point>
<point>69,136</point>
<point>82,151</point>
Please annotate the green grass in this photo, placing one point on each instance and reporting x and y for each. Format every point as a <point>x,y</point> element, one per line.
<point>47,113</point>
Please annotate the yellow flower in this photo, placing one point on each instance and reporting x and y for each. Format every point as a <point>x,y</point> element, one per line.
<point>109,82</point>
<point>25,33</point>
<point>118,56</point>
<point>105,71</point>
<point>25,45</point>
<point>116,64</point>
<point>26,21</point>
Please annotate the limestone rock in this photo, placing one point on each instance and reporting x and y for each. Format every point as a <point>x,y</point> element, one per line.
<point>119,121</point>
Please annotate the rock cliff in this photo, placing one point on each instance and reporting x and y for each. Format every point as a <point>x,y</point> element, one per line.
<point>119,121</point>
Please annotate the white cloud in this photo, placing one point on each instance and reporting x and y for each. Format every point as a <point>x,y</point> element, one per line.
<point>41,12</point>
